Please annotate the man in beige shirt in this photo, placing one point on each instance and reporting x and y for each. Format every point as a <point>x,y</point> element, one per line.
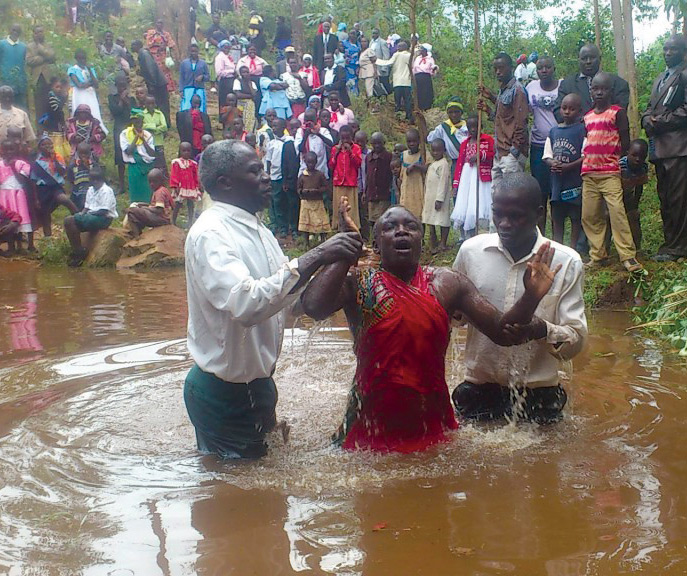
<point>13,117</point>
<point>520,381</point>
<point>40,58</point>
<point>366,72</point>
<point>400,78</point>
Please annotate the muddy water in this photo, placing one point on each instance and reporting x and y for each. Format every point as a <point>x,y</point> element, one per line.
<point>99,475</point>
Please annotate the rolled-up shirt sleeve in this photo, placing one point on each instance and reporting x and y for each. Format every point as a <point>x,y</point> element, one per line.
<point>226,282</point>
<point>568,335</point>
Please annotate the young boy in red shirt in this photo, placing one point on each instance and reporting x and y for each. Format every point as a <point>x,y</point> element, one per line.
<point>344,163</point>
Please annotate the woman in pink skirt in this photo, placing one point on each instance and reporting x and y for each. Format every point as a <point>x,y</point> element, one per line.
<point>14,178</point>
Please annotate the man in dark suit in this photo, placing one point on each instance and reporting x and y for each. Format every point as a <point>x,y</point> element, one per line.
<point>324,43</point>
<point>665,122</point>
<point>333,79</point>
<point>581,82</point>
<point>153,76</point>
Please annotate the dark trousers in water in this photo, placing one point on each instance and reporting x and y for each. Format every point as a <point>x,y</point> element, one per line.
<point>230,419</point>
<point>492,402</point>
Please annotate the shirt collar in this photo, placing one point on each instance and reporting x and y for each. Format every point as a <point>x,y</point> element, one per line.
<point>494,243</point>
<point>239,214</point>
<point>12,42</point>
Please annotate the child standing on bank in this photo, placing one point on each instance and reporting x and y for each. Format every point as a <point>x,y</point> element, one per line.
<point>608,138</point>
<point>437,204</point>
<point>345,162</point>
<point>312,187</point>
<point>183,179</point>
<point>634,173</point>
<point>412,177</point>
<point>563,154</point>
<point>465,181</point>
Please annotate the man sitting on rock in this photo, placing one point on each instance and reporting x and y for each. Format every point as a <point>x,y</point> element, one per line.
<point>157,213</point>
<point>99,211</point>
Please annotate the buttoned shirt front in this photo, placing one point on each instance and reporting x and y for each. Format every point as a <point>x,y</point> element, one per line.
<point>238,284</point>
<point>491,268</point>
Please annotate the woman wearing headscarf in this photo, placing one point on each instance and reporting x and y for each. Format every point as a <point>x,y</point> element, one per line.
<point>452,131</point>
<point>314,102</point>
<point>424,70</point>
<point>309,72</point>
<point>225,71</point>
<point>342,31</point>
<point>138,152</point>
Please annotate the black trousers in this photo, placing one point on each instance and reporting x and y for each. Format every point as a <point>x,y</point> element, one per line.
<point>492,402</point>
<point>403,100</point>
<point>671,180</point>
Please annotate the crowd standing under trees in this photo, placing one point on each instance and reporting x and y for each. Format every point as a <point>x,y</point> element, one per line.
<point>227,77</point>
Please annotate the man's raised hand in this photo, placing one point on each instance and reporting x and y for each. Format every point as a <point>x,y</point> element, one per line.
<point>539,276</point>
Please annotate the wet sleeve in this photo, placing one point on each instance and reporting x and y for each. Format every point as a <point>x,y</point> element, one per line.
<point>567,336</point>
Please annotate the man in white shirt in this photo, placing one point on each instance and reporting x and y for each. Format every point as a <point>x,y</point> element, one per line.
<point>100,209</point>
<point>400,76</point>
<point>311,137</point>
<point>496,264</point>
<point>239,284</point>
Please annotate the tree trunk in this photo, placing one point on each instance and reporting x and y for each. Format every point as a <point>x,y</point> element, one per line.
<point>297,25</point>
<point>417,113</point>
<point>175,15</point>
<point>597,25</point>
<point>633,111</point>
<point>619,38</point>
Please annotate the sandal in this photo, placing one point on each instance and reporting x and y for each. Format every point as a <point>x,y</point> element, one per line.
<point>631,265</point>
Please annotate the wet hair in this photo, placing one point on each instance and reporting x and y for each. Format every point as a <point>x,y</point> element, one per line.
<point>222,158</point>
<point>525,185</point>
<point>505,57</point>
<point>642,144</point>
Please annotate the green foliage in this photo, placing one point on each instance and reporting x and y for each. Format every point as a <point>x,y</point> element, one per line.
<point>665,311</point>
<point>53,251</point>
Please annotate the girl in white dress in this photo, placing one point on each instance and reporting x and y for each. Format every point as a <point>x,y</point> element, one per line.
<point>465,181</point>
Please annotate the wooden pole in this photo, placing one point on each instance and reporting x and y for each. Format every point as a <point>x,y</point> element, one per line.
<point>478,47</point>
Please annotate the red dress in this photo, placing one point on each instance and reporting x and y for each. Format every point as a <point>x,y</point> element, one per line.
<point>183,177</point>
<point>400,400</point>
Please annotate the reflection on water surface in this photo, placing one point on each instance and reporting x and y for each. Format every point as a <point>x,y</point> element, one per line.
<point>99,475</point>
